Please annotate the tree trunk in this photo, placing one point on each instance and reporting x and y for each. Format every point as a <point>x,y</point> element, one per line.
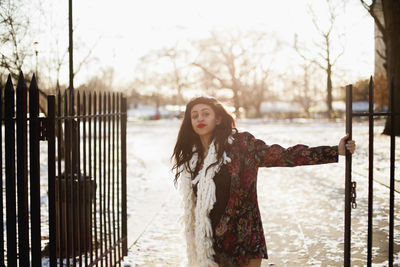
<point>236,101</point>
<point>236,89</point>
<point>258,110</point>
<point>329,90</point>
<point>391,11</point>
<point>306,105</point>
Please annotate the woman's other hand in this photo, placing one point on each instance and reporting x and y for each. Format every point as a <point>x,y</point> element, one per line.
<point>349,145</point>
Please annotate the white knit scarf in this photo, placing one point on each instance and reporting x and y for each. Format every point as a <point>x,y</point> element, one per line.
<point>198,229</point>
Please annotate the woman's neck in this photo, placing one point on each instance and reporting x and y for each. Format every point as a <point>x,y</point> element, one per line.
<point>205,141</point>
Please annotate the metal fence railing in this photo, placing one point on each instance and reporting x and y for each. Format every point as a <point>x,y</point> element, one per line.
<point>86,181</point>
<point>350,185</point>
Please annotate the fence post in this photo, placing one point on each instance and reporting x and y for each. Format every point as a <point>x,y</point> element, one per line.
<point>370,170</point>
<point>67,190</point>
<point>22,173</point>
<point>347,201</point>
<point>392,171</point>
<point>2,263</point>
<point>10,173</point>
<point>51,144</point>
<point>34,159</point>
<point>123,178</point>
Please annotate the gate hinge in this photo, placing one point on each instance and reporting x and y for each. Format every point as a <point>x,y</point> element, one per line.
<point>353,195</point>
<point>42,129</point>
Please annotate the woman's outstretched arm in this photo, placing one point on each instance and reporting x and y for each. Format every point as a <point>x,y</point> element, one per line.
<point>298,155</point>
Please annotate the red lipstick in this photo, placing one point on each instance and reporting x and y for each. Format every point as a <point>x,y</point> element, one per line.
<point>201,125</point>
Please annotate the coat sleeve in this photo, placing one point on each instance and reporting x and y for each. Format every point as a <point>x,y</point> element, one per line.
<point>298,155</point>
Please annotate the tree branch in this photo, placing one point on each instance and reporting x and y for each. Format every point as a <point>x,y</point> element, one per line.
<point>223,83</point>
<point>371,11</point>
<point>86,58</point>
<point>318,64</point>
<point>381,55</point>
<point>337,57</point>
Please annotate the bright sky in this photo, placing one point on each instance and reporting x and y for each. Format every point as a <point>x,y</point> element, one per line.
<point>129,29</point>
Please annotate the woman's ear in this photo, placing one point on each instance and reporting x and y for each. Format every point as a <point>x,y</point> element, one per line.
<point>218,120</point>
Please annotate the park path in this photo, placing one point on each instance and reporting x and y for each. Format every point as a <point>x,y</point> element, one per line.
<point>301,207</point>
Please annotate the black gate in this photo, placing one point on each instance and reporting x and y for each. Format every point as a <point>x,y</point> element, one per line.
<point>350,185</point>
<point>86,179</point>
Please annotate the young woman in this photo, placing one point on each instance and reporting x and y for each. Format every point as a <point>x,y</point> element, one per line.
<point>217,168</point>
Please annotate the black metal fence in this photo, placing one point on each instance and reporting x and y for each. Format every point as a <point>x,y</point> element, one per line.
<point>351,185</point>
<point>86,183</point>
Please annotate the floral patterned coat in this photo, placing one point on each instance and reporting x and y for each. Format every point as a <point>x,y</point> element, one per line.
<point>239,234</point>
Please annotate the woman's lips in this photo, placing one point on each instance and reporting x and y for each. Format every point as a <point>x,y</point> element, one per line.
<point>201,125</point>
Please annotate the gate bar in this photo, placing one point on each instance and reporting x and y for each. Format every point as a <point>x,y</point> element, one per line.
<point>67,190</point>
<point>347,203</point>
<point>392,166</point>
<point>91,174</point>
<point>123,176</point>
<point>77,171</point>
<point>60,153</point>
<point>34,168</point>
<point>85,188</point>
<point>2,263</point>
<point>370,171</point>
<point>10,173</point>
<point>119,214</point>
<point>95,173</point>
<point>366,114</point>
<point>113,179</point>
<point>104,159</point>
<point>110,232</point>
<point>101,175</point>
<point>72,172</point>
<point>22,173</point>
<point>51,110</point>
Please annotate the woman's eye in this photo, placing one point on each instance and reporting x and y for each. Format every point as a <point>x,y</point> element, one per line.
<point>194,116</point>
<point>206,114</point>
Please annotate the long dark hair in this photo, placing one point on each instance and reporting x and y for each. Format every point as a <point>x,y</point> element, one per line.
<point>187,138</point>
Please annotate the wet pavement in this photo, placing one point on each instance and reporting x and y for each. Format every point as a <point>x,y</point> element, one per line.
<point>302,208</point>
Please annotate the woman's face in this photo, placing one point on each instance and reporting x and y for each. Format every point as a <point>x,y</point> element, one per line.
<point>203,119</point>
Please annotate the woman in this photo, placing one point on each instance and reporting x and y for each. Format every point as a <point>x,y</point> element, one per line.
<point>217,167</point>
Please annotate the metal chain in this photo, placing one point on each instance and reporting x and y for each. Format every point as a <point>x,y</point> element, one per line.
<point>353,195</point>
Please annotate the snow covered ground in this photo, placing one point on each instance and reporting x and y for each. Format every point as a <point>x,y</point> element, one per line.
<point>302,207</point>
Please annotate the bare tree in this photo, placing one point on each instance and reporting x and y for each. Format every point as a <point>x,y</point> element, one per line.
<point>306,94</point>
<point>233,60</point>
<point>179,75</point>
<point>16,42</point>
<point>170,67</point>
<point>218,60</point>
<point>102,82</point>
<point>87,56</point>
<point>14,28</point>
<point>205,81</point>
<point>57,61</point>
<point>324,56</point>
<point>54,59</point>
<point>389,26</point>
<point>150,83</point>
<point>255,90</point>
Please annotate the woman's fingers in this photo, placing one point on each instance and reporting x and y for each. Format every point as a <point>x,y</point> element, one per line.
<point>351,146</point>
<point>344,138</point>
<point>345,143</point>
